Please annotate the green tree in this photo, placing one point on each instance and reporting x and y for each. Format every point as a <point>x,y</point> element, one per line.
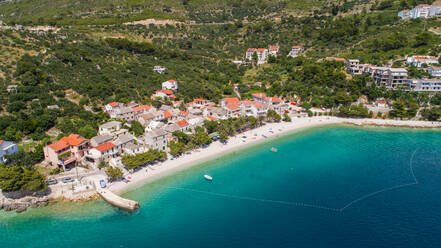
<point>114,172</point>
<point>137,128</point>
<point>87,132</point>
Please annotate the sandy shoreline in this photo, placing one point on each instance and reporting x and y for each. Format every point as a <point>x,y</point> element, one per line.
<point>254,136</point>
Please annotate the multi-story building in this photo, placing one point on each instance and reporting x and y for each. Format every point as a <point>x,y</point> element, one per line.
<point>109,128</point>
<point>353,66</point>
<point>390,77</point>
<point>419,61</point>
<point>273,50</point>
<point>170,85</point>
<point>126,114</point>
<point>156,139</point>
<point>420,11</point>
<point>434,71</point>
<point>100,139</point>
<point>230,100</point>
<point>435,9</point>
<point>123,140</point>
<point>295,50</point>
<point>101,153</point>
<point>431,85</point>
<point>260,97</point>
<point>66,151</point>
<point>164,94</point>
<point>7,148</point>
<point>262,55</point>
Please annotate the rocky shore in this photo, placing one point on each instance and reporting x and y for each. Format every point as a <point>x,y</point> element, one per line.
<point>21,205</point>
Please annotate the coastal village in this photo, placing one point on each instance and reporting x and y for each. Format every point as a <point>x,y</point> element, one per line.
<point>82,162</point>
<point>142,140</point>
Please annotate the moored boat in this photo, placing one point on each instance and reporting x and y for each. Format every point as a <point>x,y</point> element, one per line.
<point>209,178</point>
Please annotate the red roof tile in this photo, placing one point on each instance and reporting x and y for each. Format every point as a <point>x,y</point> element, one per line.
<point>104,147</point>
<point>211,118</point>
<point>296,46</point>
<point>232,106</point>
<point>71,140</point>
<point>182,123</point>
<point>113,104</point>
<point>167,114</point>
<point>231,100</point>
<point>259,95</point>
<point>272,99</point>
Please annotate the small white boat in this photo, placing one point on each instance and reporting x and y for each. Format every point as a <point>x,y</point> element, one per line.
<point>273,149</point>
<point>209,178</point>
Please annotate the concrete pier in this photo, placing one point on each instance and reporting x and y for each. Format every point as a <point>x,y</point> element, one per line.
<point>118,201</point>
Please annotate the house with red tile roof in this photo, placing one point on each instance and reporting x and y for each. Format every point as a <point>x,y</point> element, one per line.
<point>295,51</point>
<point>66,151</point>
<point>230,100</point>
<point>167,115</point>
<point>419,61</point>
<point>262,55</point>
<point>260,97</point>
<point>183,125</point>
<point>273,50</point>
<point>164,94</point>
<point>101,153</point>
<point>253,108</point>
<point>141,109</point>
<point>233,110</point>
<point>211,118</point>
<point>112,107</point>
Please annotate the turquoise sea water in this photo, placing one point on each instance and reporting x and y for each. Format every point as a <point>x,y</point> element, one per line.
<point>334,186</point>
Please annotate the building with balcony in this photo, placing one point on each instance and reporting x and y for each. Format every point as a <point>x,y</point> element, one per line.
<point>66,151</point>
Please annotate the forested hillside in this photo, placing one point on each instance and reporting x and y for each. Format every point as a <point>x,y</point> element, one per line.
<point>81,67</point>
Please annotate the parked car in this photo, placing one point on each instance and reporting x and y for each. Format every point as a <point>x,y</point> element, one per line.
<point>51,181</point>
<point>68,180</point>
<point>125,180</point>
<point>103,184</point>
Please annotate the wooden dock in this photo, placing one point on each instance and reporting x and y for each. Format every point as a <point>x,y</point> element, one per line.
<point>118,201</point>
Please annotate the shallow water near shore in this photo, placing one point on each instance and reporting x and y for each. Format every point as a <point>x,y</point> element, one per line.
<point>334,186</point>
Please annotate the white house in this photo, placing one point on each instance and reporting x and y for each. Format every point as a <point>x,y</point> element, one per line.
<point>262,55</point>
<point>420,11</point>
<point>183,125</point>
<point>7,148</point>
<point>159,69</point>
<point>101,153</point>
<point>435,9</point>
<point>170,85</point>
<point>273,50</point>
<point>404,14</point>
<point>419,61</point>
<point>435,71</point>
<point>431,85</point>
<point>164,94</point>
<point>295,50</point>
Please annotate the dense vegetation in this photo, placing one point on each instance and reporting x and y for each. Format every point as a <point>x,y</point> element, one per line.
<point>66,75</point>
<point>135,161</point>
